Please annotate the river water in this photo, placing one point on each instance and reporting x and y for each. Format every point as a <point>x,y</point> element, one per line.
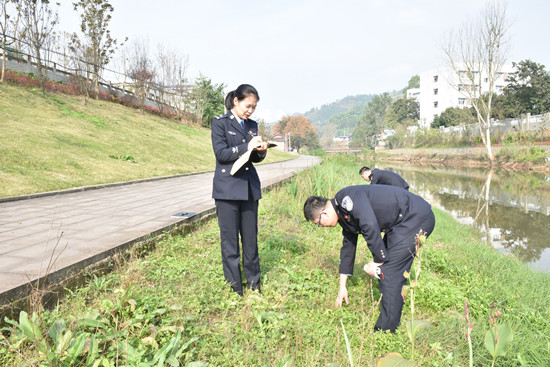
<point>511,209</point>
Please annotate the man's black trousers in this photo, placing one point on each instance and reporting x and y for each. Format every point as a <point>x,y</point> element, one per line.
<point>400,258</point>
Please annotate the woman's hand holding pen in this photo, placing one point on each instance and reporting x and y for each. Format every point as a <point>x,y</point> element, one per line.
<point>256,143</point>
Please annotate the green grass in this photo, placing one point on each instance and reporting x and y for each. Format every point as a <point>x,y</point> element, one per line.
<point>51,142</point>
<point>532,154</point>
<point>177,294</point>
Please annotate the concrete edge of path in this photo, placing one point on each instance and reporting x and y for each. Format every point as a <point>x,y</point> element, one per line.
<point>54,283</point>
<point>94,187</point>
<point>103,186</point>
<point>48,288</point>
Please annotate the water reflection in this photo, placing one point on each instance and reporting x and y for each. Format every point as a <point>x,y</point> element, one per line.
<point>512,210</point>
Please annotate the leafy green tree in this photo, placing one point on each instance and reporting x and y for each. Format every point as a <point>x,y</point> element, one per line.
<point>345,122</point>
<point>207,100</point>
<point>528,89</point>
<point>499,110</point>
<point>312,140</point>
<point>414,82</point>
<point>371,123</point>
<point>95,17</point>
<point>454,116</point>
<point>403,111</point>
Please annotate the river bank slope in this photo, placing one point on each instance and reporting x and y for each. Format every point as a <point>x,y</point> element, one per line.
<point>469,157</point>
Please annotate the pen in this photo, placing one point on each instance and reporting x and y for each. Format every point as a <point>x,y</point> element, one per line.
<point>252,135</point>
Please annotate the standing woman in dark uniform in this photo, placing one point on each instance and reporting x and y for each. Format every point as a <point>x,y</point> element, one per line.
<point>236,196</point>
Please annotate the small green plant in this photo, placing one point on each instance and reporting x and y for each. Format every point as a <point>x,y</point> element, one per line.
<point>126,158</point>
<point>498,337</point>
<point>57,347</point>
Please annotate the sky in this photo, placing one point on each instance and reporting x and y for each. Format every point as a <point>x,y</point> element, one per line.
<point>301,54</point>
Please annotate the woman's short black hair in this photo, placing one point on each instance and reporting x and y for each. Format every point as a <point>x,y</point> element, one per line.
<point>243,91</point>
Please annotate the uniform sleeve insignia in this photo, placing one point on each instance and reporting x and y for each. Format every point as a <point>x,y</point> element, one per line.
<point>347,204</point>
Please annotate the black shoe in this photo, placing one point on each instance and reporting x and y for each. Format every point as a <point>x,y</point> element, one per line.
<point>238,291</point>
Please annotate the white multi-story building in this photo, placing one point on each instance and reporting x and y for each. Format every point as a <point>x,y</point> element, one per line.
<point>440,89</point>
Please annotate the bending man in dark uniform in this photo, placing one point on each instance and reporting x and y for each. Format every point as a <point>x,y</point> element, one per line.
<point>381,177</point>
<point>370,210</point>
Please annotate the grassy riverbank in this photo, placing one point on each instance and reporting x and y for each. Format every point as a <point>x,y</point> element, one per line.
<point>509,157</point>
<point>173,303</point>
<point>53,142</point>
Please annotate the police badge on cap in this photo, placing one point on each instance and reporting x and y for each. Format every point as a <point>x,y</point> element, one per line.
<point>347,204</point>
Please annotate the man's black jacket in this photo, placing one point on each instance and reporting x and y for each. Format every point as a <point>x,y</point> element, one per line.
<point>371,209</point>
<point>381,177</point>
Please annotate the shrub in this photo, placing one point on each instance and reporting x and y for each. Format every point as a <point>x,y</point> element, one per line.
<point>533,154</point>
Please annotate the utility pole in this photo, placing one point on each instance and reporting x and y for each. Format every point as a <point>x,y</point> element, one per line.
<point>289,146</point>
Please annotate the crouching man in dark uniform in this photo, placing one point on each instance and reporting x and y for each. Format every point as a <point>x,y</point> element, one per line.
<point>382,177</point>
<point>370,210</point>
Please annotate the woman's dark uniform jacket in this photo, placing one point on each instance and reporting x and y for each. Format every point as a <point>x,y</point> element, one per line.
<point>229,142</point>
<point>381,177</point>
<point>370,209</point>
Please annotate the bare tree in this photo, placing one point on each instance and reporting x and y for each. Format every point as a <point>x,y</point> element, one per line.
<point>161,83</point>
<point>9,25</point>
<point>120,62</point>
<point>95,18</point>
<point>170,79</point>
<point>476,52</point>
<point>81,62</point>
<point>62,45</point>
<point>142,71</point>
<point>38,21</point>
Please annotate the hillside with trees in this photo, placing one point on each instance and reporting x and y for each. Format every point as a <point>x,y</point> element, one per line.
<point>319,116</point>
<point>337,118</point>
<point>341,117</point>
